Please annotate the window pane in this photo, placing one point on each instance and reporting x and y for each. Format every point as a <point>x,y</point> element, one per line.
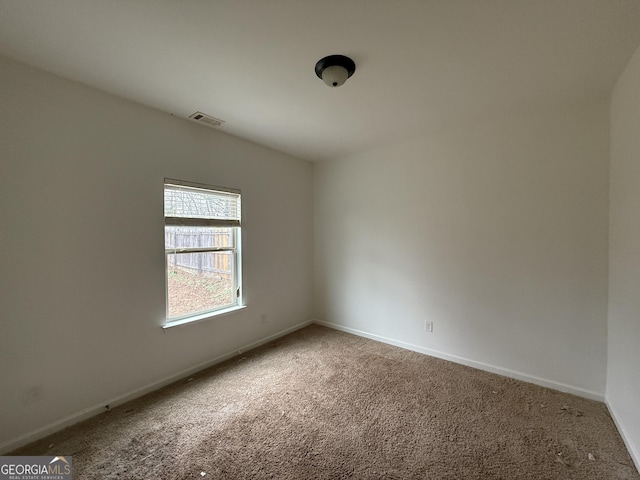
<point>197,203</point>
<point>199,282</point>
<point>197,237</point>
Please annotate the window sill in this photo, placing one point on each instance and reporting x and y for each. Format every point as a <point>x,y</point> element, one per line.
<point>202,316</point>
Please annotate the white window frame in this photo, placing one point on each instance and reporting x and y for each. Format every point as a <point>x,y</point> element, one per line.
<point>236,250</point>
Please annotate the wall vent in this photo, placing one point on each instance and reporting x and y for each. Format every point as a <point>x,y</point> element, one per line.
<point>206,119</point>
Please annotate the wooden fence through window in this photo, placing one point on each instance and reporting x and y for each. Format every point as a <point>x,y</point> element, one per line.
<point>208,262</point>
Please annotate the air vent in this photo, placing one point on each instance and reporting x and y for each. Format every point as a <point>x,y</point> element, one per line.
<point>206,119</point>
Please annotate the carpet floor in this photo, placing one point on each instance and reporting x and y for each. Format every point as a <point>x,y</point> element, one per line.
<point>322,404</point>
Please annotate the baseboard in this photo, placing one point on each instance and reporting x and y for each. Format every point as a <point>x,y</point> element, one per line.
<point>470,363</point>
<point>114,402</point>
<point>634,452</point>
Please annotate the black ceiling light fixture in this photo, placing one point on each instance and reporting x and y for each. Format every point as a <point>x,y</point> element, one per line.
<point>335,69</point>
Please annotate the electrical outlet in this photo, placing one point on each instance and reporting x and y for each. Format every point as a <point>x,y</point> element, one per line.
<point>428,326</point>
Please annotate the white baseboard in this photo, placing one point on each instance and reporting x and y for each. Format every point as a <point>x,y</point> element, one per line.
<point>72,419</point>
<point>634,452</point>
<point>470,363</point>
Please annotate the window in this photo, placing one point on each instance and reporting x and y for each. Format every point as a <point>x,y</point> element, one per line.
<point>202,250</point>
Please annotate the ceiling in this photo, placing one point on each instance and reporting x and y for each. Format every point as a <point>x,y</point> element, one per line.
<point>421,64</point>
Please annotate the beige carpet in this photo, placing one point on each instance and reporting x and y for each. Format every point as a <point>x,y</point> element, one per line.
<point>321,404</point>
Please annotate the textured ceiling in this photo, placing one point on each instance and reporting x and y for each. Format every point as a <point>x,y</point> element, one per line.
<point>421,65</point>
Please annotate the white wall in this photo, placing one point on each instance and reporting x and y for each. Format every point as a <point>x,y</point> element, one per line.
<point>81,246</point>
<point>623,378</point>
<point>496,232</point>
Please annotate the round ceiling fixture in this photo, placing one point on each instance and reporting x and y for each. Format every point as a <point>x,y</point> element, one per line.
<point>335,69</point>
